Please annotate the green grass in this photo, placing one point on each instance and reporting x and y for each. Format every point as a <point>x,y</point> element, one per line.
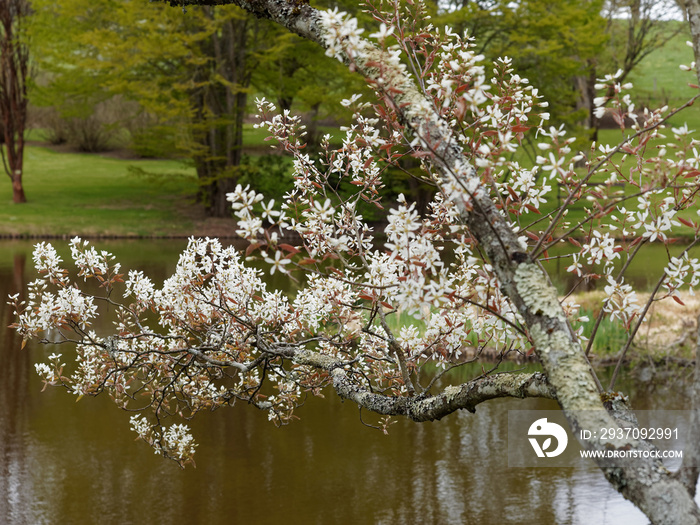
<point>658,80</point>
<point>610,337</point>
<point>70,194</point>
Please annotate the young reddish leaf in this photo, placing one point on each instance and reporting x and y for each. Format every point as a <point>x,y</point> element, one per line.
<point>533,209</point>
<point>574,242</point>
<point>289,248</point>
<point>689,224</point>
<point>513,194</point>
<point>252,247</point>
<point>678,300</point>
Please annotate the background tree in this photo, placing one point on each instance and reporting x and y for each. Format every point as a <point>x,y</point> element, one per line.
<point>635,29</point>
<point>192,90</point>
<point>220,335</point>
<point>201,81</point>
<point>14,74</point>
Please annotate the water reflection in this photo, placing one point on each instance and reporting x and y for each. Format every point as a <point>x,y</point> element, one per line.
<point>68,462</point>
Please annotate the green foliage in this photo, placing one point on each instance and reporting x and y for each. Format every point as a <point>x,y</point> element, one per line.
<point>90,51</point>
<point>610,337</point>
<point>190,75</point>
<point>270,175</point>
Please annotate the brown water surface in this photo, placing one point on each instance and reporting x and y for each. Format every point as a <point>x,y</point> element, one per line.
<point>75,463</point>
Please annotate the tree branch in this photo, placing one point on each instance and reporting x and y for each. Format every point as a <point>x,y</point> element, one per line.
<point>429,408</point>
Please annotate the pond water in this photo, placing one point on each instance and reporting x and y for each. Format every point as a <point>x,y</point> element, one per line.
<point>68,462</point>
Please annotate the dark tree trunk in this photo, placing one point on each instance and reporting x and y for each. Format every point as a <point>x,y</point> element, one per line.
<point>14,71</point>
<point>219,111</point>
<point>17,189</point>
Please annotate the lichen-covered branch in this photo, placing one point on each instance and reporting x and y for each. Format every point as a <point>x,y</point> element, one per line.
<point>429,408</point>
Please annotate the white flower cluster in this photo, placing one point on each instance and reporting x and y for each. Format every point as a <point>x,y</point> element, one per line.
<point>620,301</point>
<point>458,67</point>
<point>242,201</point>
<point>530,190</point>
<point>50,372</point>
<point>656,227</point>
<point>342,36</point>
<point>682,271</point>
<point>45,310</point>
<point>89,261</point>
<point>176,442</point>
<point>47,261</point>
<point>324,300</point>
<point>610,84</point>
<point>141,288</point>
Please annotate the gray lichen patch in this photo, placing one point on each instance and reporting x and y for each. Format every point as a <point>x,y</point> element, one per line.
<point>570,374</point>
<point>452,391</point>
<point>537,294</point>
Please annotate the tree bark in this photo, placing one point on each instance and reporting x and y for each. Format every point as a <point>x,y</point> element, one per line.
<point>14,72</point>
<point>690,469</point>
<point>219,104</point>
<point>693,11</point>
<point>18,196</point>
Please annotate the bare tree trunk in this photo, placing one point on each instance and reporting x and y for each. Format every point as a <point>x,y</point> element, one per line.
<point>693,10</point>
<point>14,71</point>
<point>220,105</point>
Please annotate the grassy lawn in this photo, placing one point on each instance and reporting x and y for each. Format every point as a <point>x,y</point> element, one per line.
<point>658,80</point>
<point>71,194</point>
